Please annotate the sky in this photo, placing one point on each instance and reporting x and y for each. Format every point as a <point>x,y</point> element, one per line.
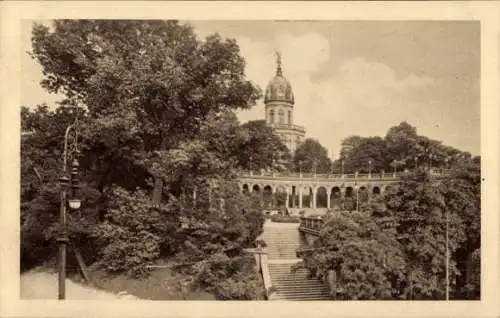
<point>353,77</point>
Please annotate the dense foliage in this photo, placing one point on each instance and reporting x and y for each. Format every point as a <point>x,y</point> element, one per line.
<point>263,149</point>
<point>311,156</point>
<point>401,149</point>
<point>159,143</point>
<point>395,248</point>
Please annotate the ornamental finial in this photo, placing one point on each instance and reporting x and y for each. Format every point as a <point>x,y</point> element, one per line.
<point>278,62</point>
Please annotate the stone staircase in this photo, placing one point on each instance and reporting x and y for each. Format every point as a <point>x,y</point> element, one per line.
<point>283,239</point>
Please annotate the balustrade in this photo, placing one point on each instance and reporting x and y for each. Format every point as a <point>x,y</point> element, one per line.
<point>311,224</point>
<point>328,176</point>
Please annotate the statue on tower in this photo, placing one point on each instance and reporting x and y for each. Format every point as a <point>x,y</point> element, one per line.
<point>278,62</point>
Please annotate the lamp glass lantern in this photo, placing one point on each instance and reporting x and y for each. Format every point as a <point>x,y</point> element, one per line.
<point>74,203</point>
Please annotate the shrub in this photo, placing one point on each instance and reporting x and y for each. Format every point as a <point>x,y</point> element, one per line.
<point>285,219</point>
<point>229,278</point>
<point>132,234</point>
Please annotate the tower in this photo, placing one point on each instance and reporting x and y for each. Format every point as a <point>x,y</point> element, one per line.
<point>279,106</point>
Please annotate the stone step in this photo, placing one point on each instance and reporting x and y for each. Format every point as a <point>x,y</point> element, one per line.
<point>301,297</point>
<point>301,287</point>
<point>297,293</point>
<point>282,254</point>
<point>288,275</point>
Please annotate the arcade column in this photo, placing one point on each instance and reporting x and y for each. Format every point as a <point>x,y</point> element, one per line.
<point>328,198</point>
<point>300,197</point>
<point>287,200</point>
<point>314,191</point>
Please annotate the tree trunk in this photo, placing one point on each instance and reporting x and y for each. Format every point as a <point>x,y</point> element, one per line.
<point>157,191</point>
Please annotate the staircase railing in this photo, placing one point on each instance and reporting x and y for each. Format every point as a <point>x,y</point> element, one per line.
<point>263,268</point>
<point>311,224</point>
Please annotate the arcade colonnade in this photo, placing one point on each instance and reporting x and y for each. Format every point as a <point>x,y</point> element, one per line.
<point>311,195</point>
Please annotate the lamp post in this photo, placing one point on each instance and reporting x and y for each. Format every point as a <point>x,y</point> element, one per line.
<point>370,168</point>
<point>445,166</point>
<point>73,202</point>
<point>342,162</point>
<point>357,197</point>
<point>394,166</point>
<point>447,260</point>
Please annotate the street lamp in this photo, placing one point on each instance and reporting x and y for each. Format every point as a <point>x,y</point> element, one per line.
<point>342,162</point>
<point>394,166</point>
<point>357,196</point>
<point>445,166</point>
<point>73,202</point>
<point>447,260</point>
<point>370,168</point>
<point>430,161</point>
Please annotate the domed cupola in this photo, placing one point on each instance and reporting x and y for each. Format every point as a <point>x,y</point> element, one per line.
<point>279,88</point>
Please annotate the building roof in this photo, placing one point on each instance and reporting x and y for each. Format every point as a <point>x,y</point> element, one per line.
<point>279,88</point>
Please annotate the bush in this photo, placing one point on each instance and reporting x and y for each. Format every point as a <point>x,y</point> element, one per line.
<point>285,219</point>
<point>133,233</point>
<point>229,278</point>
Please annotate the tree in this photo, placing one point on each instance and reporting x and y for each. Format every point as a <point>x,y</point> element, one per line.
<point>147,86</point>
<point>420,207</point>
<point>263,148</point>
<point>370,149</point>
<point>348,144</point>
<point>159,106</point>
<point>462,192</point>
<point>365,256</point>
<point>401,140</point>
<point>312,155</point>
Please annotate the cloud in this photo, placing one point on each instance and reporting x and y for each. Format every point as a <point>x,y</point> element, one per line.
<point>357,96</point>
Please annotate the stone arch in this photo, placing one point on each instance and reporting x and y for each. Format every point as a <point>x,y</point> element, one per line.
<point>349,192</point>
<point>280,196</point>
<point>256,188</point>
<point>268,197</point>
<point>293,197</point>
<point>349,202</point>
<point>335,197</point>
<point>363,193</point>
<point>376,190</point>
<point>321,197</point>
<point>245,188</point>
<point>271,116</point>
<point>307,196</point>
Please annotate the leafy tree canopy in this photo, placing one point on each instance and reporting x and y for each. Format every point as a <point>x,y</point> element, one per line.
<point>156,106</point>
<point>263,148</point>
<point>312,155</point>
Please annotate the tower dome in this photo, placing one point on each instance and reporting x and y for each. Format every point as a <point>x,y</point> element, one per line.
<point>279,89</point>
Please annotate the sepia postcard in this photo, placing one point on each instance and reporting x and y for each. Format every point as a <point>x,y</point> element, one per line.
<point>243,159</point>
